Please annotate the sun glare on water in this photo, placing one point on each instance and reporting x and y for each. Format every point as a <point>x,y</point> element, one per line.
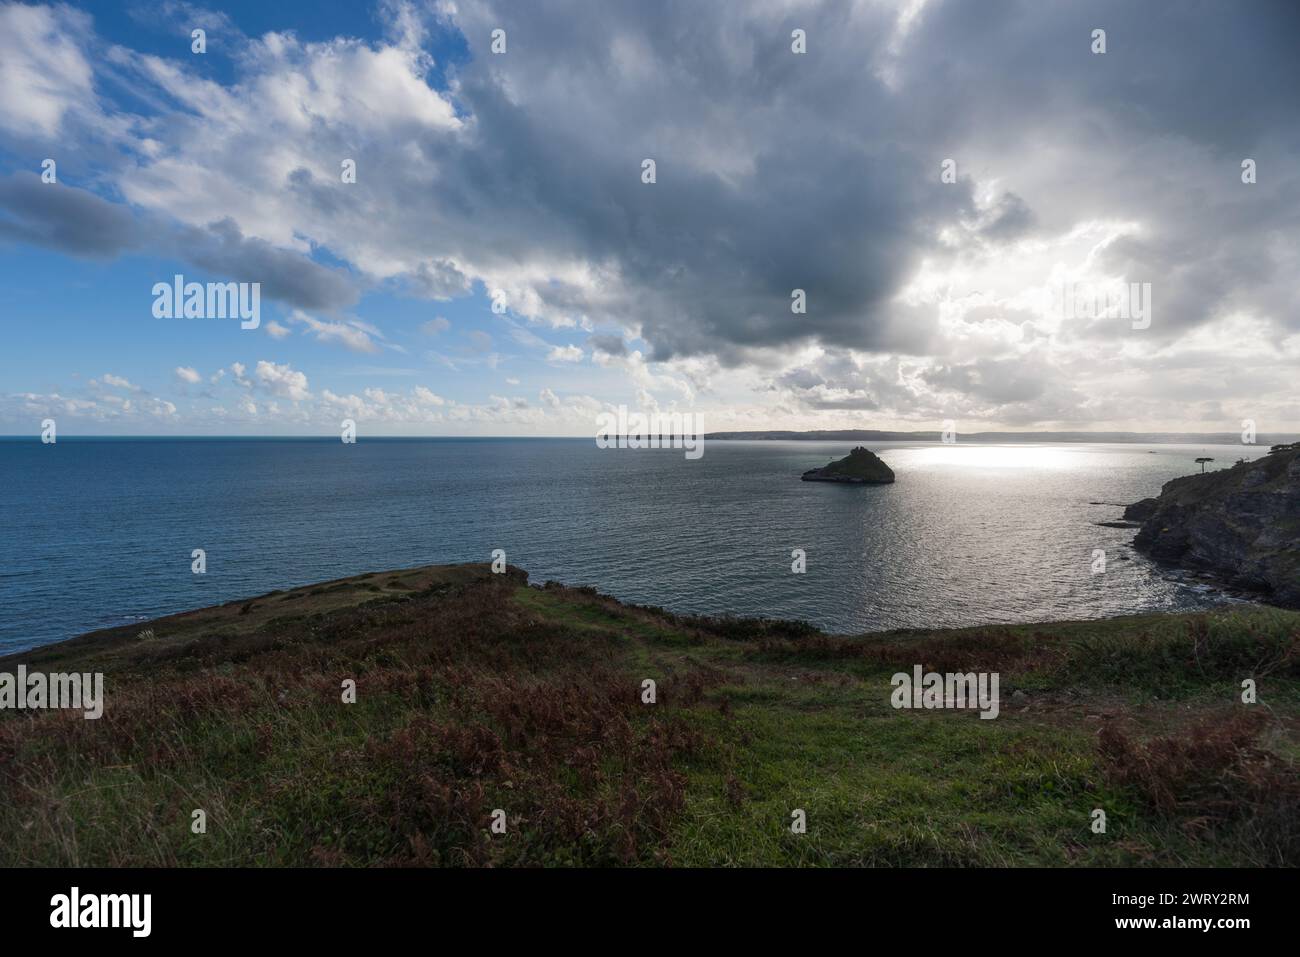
<point>997,456</point>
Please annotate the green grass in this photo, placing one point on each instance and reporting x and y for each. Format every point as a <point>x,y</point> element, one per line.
<point>477,692</point>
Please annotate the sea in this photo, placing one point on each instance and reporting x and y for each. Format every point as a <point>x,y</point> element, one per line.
<point>99,532</point>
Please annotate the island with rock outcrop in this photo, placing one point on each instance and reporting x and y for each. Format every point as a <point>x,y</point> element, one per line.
<point>859,467</point>
<point>1240,525</point>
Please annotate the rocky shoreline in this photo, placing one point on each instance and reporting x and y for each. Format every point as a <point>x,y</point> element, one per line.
<point>1238,526</point>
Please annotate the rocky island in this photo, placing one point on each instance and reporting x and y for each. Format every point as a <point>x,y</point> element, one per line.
<point>1240,524</point>
<point>860,467</point>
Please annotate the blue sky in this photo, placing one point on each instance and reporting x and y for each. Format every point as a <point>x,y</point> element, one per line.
<point>521,171</point>
<point>80,328</point>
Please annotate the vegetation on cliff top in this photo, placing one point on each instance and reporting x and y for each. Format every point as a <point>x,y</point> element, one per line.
<point>478,691</point>
<point>1242,524</point>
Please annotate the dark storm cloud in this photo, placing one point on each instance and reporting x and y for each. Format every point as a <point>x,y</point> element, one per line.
<point>1152,131</point>
<point>1221,74</point>
<point>610,345</point>
<point>440,280</point>
<point>64,218</point>
<point>286,276</point>
<point>996,380</point>
<point>1009,218</point>
<point>838,382</point>
<point>710,254</point>
<point>80,223</point>
<point>776,171</point>
<point>820,171</point>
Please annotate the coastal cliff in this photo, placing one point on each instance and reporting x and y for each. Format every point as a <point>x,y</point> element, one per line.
<point>859,467</point>
<point>1240,524</point>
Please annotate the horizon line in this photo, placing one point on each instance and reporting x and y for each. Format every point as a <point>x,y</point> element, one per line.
<point>722,435</point>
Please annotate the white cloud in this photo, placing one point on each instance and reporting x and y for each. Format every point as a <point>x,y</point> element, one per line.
<point>188,375</point>
<point>565,354</point>
<point>43,72</point>
<point>351,334</point>
<point>107,407</point>
<point>300,109</point>
<point>119,382</point>
<point>425,397</point>
<point>282,380</point>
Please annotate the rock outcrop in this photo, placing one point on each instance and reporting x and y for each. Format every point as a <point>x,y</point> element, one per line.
<point>1240,524</point>
<point>859,467</point>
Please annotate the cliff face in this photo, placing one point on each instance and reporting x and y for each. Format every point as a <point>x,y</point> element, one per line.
<point>860,467</point>
<point>1241,524</point>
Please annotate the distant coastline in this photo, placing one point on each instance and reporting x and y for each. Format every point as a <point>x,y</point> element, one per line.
<point>1135,438</point>
<point>825,435</point>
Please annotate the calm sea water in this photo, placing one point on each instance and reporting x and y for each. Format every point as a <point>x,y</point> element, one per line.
<point>96,533</point>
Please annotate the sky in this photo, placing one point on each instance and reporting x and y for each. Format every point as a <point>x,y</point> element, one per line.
<point>878,215</point>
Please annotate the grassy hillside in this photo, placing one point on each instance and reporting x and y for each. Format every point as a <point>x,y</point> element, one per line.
<point>477,691</point>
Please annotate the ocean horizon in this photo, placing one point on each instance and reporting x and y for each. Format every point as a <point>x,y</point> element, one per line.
<point>99,531</point>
